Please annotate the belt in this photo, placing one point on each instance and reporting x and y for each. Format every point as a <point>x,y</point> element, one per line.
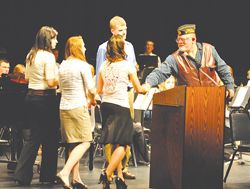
<point>47,92</point>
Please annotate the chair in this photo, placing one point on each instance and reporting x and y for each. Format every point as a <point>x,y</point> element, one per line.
<point>240,131</point>
<point>8,122</point>
<point>7,142</point>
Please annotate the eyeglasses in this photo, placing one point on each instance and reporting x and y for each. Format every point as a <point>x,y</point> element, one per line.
<point>183,40</point>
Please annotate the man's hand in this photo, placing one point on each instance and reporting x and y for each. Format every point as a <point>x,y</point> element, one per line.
<point>229,94</point>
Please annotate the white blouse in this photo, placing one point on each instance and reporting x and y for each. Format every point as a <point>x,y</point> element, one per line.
<point>42,69</point>
<point>74,78</point>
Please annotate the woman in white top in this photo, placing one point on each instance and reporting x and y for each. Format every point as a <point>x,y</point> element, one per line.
<point>117,126</point>
<point>75,80</point>
<point>42,111</point>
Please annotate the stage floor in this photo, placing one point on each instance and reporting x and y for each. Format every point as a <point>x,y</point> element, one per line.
<point>239,177</point>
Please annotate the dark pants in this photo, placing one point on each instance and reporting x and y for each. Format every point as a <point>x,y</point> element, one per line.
<point>43,128</point>
<point>140,144</point>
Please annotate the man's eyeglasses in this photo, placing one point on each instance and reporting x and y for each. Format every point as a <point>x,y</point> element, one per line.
<point>183,40</point>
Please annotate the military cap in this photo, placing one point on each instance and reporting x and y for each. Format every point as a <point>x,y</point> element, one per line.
<point>186,29</point>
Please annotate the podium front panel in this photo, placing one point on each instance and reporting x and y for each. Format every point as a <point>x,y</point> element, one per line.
<point>204,133</point>
<point>167,147</point>
<point>187,141</point>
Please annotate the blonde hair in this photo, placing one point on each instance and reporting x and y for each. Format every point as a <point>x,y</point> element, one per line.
<point>116,21</point>
<point>73,48</point>
<point>19,68</point>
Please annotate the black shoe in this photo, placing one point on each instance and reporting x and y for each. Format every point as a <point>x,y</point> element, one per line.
<point>120,184</point>
<point>52,182</point>
<point>56,181</point>
<point>21,183</point>
<point>104,180</point>
<point>78,185</point>
<point>143,163</point>
<point>128,175</point>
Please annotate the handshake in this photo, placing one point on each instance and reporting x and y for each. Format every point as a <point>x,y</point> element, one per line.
<point>144,88</point>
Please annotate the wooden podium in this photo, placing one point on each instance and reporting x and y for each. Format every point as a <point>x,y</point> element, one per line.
<point>187,138</point>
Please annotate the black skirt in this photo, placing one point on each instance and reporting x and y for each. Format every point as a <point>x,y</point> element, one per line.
<point>117,125</point>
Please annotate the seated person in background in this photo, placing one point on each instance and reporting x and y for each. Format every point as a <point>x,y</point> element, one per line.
<point>4,70</point>
<point>14,88</point>
<point>14,83</point>
<point>248,77</point>
<point>18,75</point>
<point>149,48</point>
<point>4,67</point>
<point>147,61</point>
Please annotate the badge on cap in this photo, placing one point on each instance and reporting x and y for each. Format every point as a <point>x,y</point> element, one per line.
<point>186,29</point>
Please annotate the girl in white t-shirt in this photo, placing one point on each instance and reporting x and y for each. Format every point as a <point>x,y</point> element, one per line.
<point>42,119</point>
<point>117,126</point>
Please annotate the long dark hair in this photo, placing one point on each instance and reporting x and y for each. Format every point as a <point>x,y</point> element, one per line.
<point>115,49</point>
<point>42,42</point>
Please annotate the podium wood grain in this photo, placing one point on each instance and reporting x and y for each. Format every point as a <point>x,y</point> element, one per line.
<point>187,138</point>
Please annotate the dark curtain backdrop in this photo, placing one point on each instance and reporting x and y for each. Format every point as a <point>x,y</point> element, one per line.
<point>222,23</point>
